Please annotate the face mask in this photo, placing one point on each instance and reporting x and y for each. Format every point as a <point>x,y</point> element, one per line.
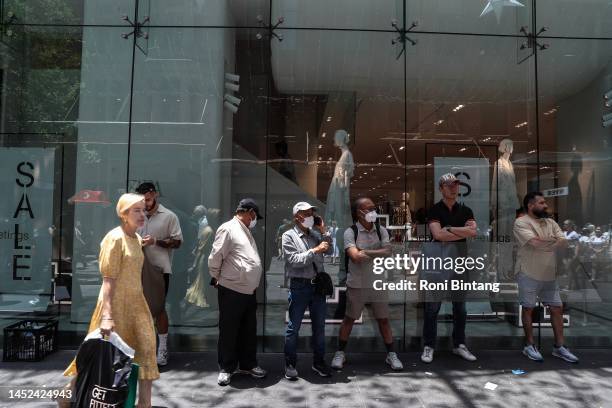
<point>308,222</point>
<point>371,216</point>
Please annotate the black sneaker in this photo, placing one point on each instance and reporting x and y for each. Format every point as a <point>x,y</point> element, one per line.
<point>322,369</point>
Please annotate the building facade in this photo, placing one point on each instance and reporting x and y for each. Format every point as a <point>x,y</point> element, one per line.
<point>216,100</point>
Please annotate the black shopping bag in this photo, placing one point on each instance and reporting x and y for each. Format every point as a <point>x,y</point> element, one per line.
<point>103,370</point>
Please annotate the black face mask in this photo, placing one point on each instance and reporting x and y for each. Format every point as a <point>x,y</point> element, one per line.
<point>540,213</point>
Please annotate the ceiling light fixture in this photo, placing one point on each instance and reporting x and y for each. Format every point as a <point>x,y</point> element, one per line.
<point>439,122</point>
<point>458,108</point>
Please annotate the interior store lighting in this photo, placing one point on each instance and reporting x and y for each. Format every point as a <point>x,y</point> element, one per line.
<point>232,87</point>
<point>232,77</point>
<point>232,99</point>
<point>230,107</point>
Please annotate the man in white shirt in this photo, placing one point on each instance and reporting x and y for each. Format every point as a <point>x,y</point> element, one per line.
<point>235,267</point>
<point>161,235</point>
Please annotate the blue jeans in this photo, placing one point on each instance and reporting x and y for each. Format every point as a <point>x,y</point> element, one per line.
<point>301,296</point>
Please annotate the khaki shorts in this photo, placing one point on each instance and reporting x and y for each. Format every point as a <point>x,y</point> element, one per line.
<point>358,298</point>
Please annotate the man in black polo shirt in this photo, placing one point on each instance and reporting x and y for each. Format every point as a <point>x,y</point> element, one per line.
<point>448,222</point>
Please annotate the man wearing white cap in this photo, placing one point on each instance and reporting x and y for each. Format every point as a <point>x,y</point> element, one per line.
<point>303,251</point>
<point>449,221</point>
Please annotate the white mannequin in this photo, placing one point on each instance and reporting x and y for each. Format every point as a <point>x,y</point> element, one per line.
<point>338,206</point>
<point>503,188</point>
<point>338,196</point>
<point>504,202</point>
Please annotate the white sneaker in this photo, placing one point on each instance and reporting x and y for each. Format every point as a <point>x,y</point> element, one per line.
<point>338,360</point>
<point>394,361</point>
<point>162,357</point>
<point>463,351</point>
<point>427,356</point>
<point>224,378</point>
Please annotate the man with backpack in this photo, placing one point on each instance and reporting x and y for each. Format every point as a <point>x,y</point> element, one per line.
<point>364,241</point>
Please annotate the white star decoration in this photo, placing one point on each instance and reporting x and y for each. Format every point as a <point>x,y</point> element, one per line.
<point>496,6</point>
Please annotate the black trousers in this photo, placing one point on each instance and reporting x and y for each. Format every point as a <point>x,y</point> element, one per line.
<point>237,330</point>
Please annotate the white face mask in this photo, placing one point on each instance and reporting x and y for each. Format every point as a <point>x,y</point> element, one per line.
<point>371,216</point>
<point>253,223</point>
<point>308,222</point>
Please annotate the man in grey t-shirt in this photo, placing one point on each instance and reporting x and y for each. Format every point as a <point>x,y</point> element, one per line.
<point>363,242</point>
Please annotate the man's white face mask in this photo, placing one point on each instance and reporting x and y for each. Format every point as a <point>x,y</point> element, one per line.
<point>308,222</point>
<point>253,222</point>
<point>371,216</point>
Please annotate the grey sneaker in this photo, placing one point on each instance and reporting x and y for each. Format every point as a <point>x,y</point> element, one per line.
<point>464,353</point>
<point>565,354</point>
<point>394,361</point>
<point>532,353</point>
<point>427,356</point>
<point>224,378</point>
<point>255,372</point>
<point>291,373</point>
<point>338,360</point>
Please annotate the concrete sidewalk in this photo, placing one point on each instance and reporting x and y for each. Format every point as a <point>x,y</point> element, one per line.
<point>190,380</point>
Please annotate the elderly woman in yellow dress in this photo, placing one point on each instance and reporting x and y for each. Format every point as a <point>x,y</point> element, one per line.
<point>121,304</point>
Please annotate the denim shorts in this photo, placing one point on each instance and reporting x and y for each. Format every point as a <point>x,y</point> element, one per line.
<point>532,290</point>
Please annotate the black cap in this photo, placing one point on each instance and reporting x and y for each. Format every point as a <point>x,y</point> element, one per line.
<point>249,204</point>
<point>145,188</point>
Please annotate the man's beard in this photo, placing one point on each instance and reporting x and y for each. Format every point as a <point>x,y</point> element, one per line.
<point>541,213</point>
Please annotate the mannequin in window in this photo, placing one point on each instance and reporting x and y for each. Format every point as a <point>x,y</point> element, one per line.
<point>402,217</point>
<point>200,293</point>
<point>504,202</point>
<point>338,196</point>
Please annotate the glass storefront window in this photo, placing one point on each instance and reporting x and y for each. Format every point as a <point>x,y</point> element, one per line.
<point>212,101</point>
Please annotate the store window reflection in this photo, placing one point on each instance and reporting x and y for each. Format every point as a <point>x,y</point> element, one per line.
<point>287,101</point>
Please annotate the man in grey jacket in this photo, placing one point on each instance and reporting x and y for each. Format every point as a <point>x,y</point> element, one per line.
<point>303,250</point>
<point>235,267</point>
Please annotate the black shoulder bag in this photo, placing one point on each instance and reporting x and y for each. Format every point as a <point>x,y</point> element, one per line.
<point>322,282</point>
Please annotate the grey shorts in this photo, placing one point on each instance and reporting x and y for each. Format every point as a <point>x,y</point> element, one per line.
<point>532,290</point>
<point>358,298</point>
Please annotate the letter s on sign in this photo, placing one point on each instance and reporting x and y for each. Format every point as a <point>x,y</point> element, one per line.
<point>21,171</point>
<point>461,183</point>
